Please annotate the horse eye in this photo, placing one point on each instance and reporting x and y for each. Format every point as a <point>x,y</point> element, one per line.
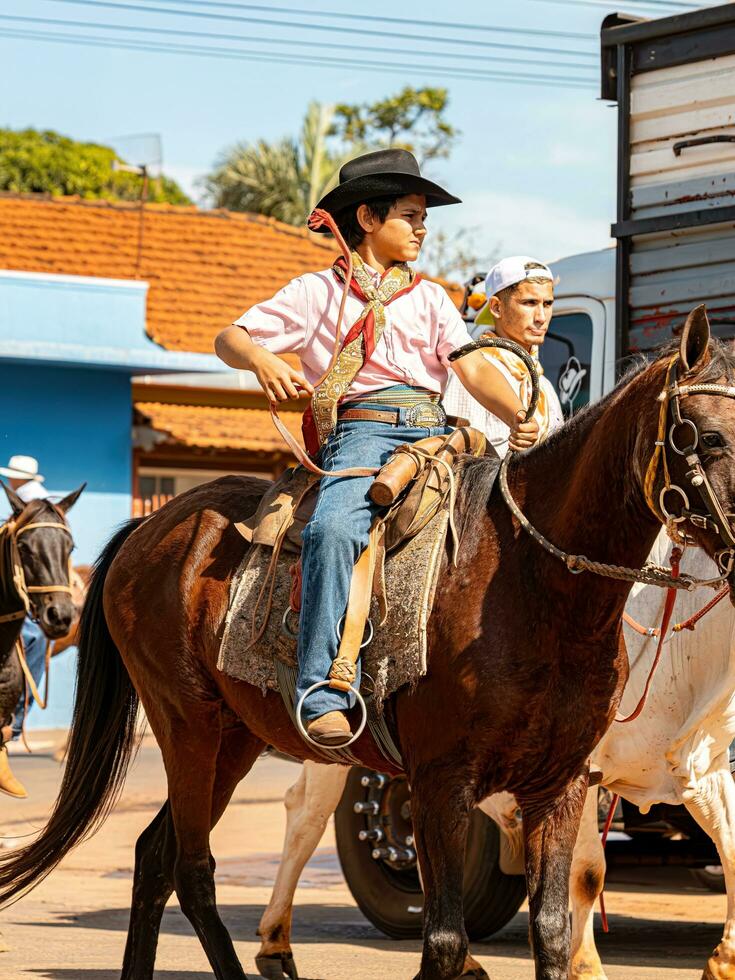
<point>712,440</point>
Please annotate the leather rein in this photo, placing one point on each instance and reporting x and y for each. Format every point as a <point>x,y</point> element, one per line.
<point>714,519</point>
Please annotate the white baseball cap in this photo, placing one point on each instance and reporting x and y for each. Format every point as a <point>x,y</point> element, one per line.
<point>509,272</point>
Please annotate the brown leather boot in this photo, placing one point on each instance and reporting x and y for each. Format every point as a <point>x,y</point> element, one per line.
<point>8,782</point>
<point>331,729</point>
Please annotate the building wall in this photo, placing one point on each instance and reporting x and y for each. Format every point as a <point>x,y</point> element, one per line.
<point>76,422</point>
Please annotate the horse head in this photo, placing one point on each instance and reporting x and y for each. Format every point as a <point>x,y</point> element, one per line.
<point>690,478</point>
<point>44,545</point>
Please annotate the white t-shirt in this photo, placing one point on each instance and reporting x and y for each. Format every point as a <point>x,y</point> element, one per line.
<point>32,490</point>
<point>458,401</point>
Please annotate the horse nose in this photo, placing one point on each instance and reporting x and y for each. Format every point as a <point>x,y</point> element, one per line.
<point>58,618</point>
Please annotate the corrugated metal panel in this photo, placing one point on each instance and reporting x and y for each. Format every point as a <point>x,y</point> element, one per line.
<point>654,200</point>
<point>673,105</point>
<point>672,272</point>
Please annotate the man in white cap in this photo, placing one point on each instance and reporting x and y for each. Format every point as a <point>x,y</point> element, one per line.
<point>23,476</point>
<point>520,300</point>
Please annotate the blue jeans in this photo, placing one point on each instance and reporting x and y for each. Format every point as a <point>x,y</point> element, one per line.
<point>333,540</point>
<point>34,642</point>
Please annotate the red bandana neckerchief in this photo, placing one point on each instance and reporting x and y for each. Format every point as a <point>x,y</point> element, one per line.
<point>358,346</point>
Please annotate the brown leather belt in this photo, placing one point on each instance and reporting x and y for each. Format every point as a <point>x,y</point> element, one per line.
<point>388,416</point>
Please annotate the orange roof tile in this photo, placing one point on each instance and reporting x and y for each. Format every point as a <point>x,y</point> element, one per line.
<point>204,268</point>
<point>213,427</point>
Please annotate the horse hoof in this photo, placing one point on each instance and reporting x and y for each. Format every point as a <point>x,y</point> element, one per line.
<point>276,966</point>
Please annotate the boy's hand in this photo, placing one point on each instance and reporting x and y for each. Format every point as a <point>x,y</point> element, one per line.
<point>278,380</point>
<point>523,435</point>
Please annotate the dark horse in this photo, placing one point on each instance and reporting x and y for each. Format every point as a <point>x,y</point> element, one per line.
<point>39,532</point>
<point>526,668</point>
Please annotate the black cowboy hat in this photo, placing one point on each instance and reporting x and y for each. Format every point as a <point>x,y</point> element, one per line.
<point>383,173</point>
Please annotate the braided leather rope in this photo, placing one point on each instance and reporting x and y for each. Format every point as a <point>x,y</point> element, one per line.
<point>648,575</point>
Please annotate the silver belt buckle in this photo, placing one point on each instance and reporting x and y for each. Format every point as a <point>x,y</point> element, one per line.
<point>427,415</point>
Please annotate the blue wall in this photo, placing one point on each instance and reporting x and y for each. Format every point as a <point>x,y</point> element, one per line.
<point>76,422</point>
<point>68,348</point>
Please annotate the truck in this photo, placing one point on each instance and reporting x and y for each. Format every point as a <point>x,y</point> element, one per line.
<point>673,80</point>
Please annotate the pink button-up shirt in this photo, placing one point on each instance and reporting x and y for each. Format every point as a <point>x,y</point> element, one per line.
<point>422,328</point>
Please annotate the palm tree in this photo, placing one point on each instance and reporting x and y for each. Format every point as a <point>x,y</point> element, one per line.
<point>283,180</point>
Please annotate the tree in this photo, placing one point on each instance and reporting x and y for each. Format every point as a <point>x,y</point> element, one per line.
<point>285,179</point>
<point>455,255</point>
<point>33,161</point>
<point>413,119</point>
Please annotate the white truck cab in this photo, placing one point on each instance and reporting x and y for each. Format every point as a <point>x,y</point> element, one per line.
<point>578,356</point>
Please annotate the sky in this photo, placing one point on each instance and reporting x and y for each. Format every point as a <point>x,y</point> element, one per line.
<point>535,164</point>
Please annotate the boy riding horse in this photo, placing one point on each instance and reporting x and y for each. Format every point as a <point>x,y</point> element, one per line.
<point>383,390</point>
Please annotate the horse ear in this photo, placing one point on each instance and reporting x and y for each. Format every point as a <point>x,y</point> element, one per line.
<point>68,502</point>
<point>694,347</point>
<point>15,501</point>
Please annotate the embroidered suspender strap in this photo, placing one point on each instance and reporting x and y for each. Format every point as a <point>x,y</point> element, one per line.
<point>317,218</point>
<point>358,346</point>
<point>362,337</point>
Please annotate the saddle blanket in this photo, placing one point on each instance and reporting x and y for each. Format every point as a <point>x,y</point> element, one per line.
<point>396,657</point>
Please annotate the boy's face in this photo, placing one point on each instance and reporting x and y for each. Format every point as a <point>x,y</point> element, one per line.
<point>400,236</point>
<point>523,314</point>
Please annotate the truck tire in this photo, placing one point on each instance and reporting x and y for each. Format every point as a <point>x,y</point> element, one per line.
<point>386,887</point>
<point>712,878</point>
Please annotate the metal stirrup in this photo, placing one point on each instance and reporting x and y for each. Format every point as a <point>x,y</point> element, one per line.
<point>302,729</point>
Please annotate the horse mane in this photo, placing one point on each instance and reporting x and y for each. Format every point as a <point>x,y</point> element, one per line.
<point>478,475</point>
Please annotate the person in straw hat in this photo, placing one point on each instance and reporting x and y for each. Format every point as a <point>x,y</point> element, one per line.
<point>23,476</point>
<point>374,385</point>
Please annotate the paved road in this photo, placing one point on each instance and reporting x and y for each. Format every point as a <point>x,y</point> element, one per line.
<point>73,926</point>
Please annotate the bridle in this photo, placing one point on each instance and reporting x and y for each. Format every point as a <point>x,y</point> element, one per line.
<point>672,422</point>
<point>714,518</point>
<point>14,528</point>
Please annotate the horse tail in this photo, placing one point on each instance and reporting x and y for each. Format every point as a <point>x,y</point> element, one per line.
<point>102,740</point>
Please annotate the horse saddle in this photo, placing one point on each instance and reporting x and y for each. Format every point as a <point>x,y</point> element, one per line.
<point>414,484</point>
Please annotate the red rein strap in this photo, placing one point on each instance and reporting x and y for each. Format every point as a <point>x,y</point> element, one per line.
<point>674,560</point>
<point>317,219</point>
<point>687,624</point>
<point>605,832</point>
<point>690,623</point>
<point>306,460</point>
<point>641,630</point>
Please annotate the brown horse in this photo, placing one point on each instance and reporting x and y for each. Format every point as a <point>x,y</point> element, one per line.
<point>526,668</point>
